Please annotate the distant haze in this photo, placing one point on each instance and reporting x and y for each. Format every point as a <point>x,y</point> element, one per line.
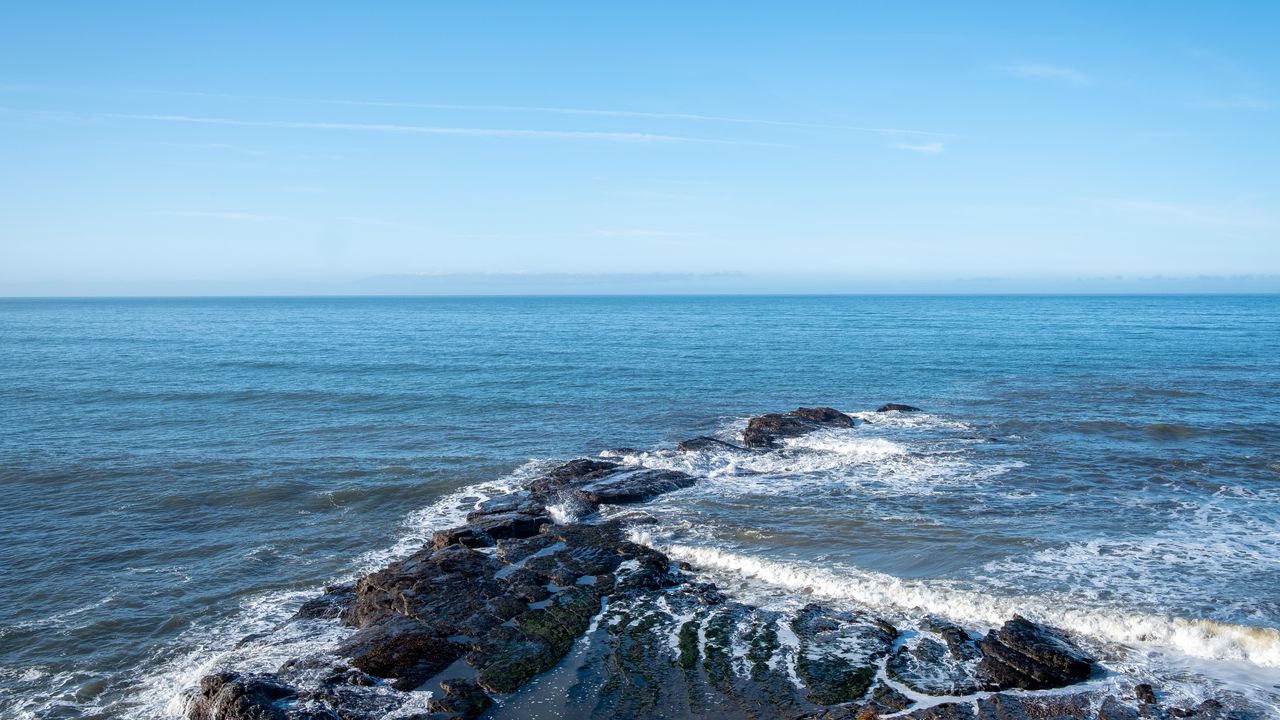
<point>599,148</point>
<point>657,284</point>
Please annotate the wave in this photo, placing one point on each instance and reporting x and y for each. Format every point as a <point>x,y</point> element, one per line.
<point>263,620</point>
<point>1197,638</point>
<point>826,460</point>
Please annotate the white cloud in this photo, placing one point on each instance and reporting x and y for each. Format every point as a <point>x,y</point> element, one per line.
<point>652,115</point>
<point>623,137</point>
<point>1048,72</point>
<point>237,216</point>
<point>932,148</point>
<point>642,232</point>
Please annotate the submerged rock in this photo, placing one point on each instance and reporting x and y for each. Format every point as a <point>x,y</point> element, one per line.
<point>703,442</point>
<point>839,653</point>
<point>614,629</point>
<point>461,699</point>
<point>897,407</point>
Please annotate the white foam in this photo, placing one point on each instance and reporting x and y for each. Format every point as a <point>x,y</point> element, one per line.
<point>449,511</point>
<point>265,618</point>
<point>563,513</point>
<point>911,421</point>
<point>843,460</point>
<point>789,643</point>
<point>1193,637</point>
<point>846,446</point>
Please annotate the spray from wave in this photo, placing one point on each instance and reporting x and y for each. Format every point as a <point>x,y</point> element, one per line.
<point>1197,638</point>
<point>264,621</point>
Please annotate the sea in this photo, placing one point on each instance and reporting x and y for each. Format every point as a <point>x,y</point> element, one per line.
<point>178,475</point>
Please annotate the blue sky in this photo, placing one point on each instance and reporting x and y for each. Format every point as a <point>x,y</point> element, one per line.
<point>239,147</point>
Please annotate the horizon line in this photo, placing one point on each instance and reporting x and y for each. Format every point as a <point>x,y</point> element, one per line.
<point>357,296</point>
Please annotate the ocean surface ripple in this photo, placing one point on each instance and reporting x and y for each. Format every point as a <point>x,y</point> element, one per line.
<point>183,473</point>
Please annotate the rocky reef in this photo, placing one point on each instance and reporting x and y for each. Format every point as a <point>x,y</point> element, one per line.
<point>515,614</point>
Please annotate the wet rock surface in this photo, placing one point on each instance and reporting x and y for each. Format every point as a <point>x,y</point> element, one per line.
<point>231,695</point>
<point>941,659</point>
<point>707,443</point>
<point>897,407</point>
<point>765,430</point>
<point>610,628</point>
<point>1022,654</point>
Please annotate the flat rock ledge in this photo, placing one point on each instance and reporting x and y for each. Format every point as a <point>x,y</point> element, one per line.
<point>516,615</point>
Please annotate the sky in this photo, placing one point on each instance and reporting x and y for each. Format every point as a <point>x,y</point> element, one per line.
<point>261,148</point>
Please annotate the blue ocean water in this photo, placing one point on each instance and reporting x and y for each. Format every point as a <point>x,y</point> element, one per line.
<point>178,473</point>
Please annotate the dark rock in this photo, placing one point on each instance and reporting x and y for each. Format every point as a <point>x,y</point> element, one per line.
<point>897,407</point>
<point>462,699</point>
<point>510,656</point>
<point>839,652</point>
<point>633,486</point>
<point>574,472</point>
<point>1024,655</point>
<point>330,605</point>
<point>232,696</point>
<point>1208,710</point>
<point>824,416</point>
<point>351,677</point>
<point>405,651</point>
<point>466,536</point>
<point>1029,707</point>
<point>514,502</point>
<point>512,615</point>
<point>930,667</point>
<point>944,711</point>
<point>765,430</point>
<point>1145,694</point>
<point>959,644</point>
<point>709,676</point>
<point>707,443</point>
<point>510,525</point>
<point>447,588</point>
<point>1113,709</point>
<point>890,699</point>
<point>621,632</point>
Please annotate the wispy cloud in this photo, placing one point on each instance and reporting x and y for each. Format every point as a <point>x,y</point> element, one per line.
<point>623,137</point>
<point>650,115</point>
<point>642,233</point>
<point>1243,101</point>
<point>237,149</point>
<point>376,222</point>
<point>236,216</point>
<point>1241,217</point>
<point>1048,72</point>
<point>544,109</point>
<point>932,148</point>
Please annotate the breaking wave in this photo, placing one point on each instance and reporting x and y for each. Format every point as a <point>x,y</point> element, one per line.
<point>1197,638</point>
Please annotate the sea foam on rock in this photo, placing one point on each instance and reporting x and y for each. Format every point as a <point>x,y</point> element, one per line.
<point>488,606</point>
